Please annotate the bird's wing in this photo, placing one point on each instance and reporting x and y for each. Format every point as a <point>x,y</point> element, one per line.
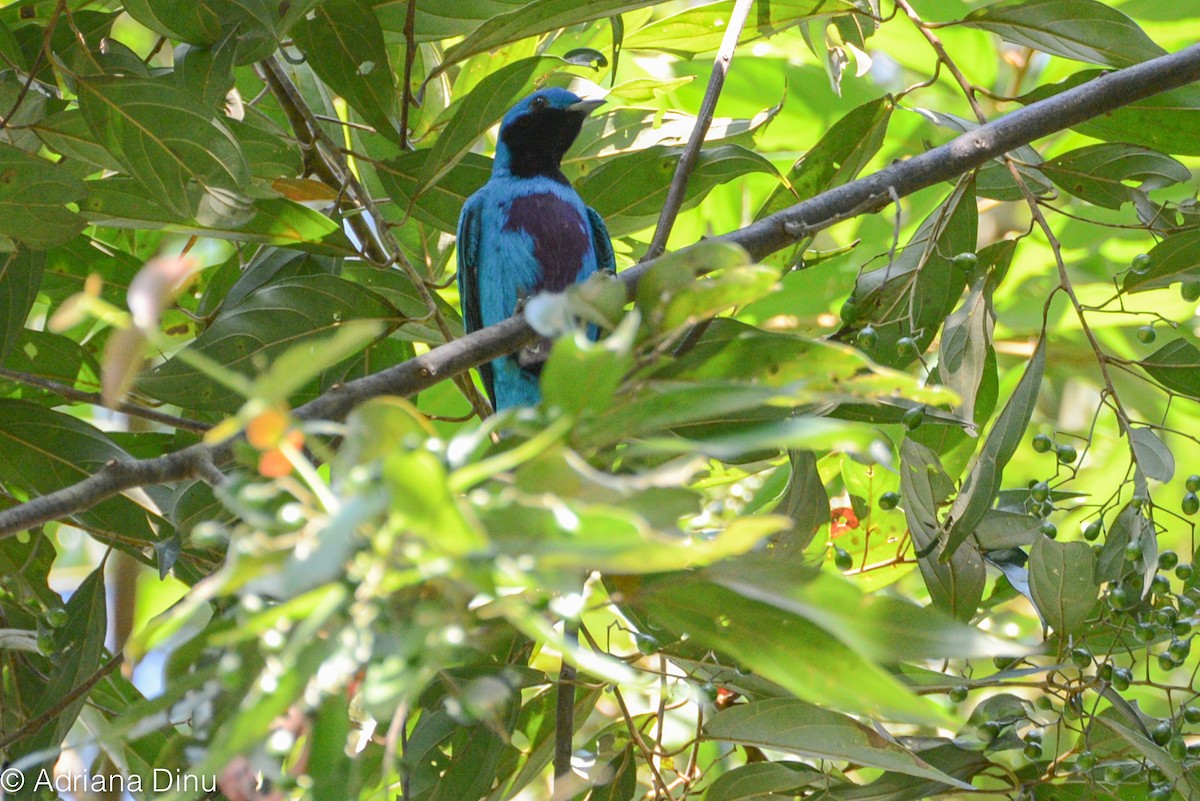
<point>601,242</point>
<point>468,281</point>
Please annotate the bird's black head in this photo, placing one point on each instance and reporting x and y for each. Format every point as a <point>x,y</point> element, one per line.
<point>537,132</point>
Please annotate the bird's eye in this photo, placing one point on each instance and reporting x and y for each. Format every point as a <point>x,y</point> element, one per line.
<point>540,103</point>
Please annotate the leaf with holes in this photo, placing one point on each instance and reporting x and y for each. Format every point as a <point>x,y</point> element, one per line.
<point>33,194</point>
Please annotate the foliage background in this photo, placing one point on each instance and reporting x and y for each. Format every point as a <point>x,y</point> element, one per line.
<point>376,605</point>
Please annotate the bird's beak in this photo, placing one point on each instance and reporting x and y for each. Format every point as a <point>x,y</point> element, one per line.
<point>585,106</point>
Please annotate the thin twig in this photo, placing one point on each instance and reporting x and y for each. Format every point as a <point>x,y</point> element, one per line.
<point>33,725</point>
<point>564,707</point>
<point>770,234</point>
<point>69,392</point>
<point>59,10</point>
<point>410,46</point>
<point>708,107</point>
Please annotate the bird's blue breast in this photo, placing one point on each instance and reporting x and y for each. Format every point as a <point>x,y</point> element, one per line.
<point>535,238</point>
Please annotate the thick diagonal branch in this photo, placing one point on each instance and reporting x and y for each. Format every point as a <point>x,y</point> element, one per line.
<point>964,153</point>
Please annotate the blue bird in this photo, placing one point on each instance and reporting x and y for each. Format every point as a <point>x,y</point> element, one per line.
<point>527,231</point>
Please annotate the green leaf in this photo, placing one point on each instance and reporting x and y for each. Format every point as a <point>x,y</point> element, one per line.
<point>80,647</point>
<point>763,780</point>
<point>838,157</point>
<point>805,502</point>
<point>1186,782</point>
<point>1175,258</point>
<point>20,279</point>
<point>1153,456</point>
<point>423,503</point>
<point>119,203</point>
<point>1176,365</point>
<point>777,645</point>
<point>1062,581</point>
<point>1083,30</point>
<point>966,342</point>
<point>486,104</point>
<point>986,474</point>
<point>622,130</point>
<point>1102,174</point>
<point>205,22</point>
<point>999,530</point>
<point>1168,122</point>
<point>701,28</point>
<point>43,450</point>
<point>187,159</point>
<point>270,152</point>
<point>955,586</point>
<point>343,43</point>
<point>438,205</point>
<point>248,336</point>
<point>437,20</point>
<point>581,377</point>
<point>786,724</point>
<point>629,190</point>
<point>531,19</point>
<point>33,192</point>
<point>67,133</point>
<point>913,295</point>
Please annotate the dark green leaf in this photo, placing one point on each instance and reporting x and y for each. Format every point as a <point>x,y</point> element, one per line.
<point>20,279</point>
<point>43,450</point>
<point>343,42</point>
<point>1102,174</point>
<point>171,144</point>
<point>785,724</point>
<point>531,19</point>
<point>987,472</point>
<point>1084,30</point>
<point>1175,366</point>
<point>440,204</point>
<point>1062,581</point>
<point>67,133</point>
<point>1153,456</point>
<point>1168,122</point>
<point>763,780</point>
<point>957,585</point>
<point>629,190</point>
<point>33,192</point>
<point>246,337</point>
<point>1176,258</point>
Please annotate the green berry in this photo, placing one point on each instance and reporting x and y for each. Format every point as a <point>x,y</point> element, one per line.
<point>1044,703</point>
<point>1113,774</point>
<point>1105,671</point>
<point>913,417</point>
<point>1180,649</point>
<point>1191,714</point>
<point>907,346</point>
<point>57,617</point>
<point>1081,658</point>
<point>1067,454</point>
<point>1190,504</point>
<point>1003,662</point>
<point>965,261</point>
<point>1133,550</point>
<point>1119,597</point>
<point>1042,443</point>
<point>1145,631</point>
<point>1192,484</point>
<point>889,501</point>
<point>1181,628</point>
<point>1160,792</point>
<point>849,312</point>
<point>1167,560</point>
<point>1166,661</point>
<point>1086,760</point>
<point>1159,585</point>
<point>842,559</point>
<point>1033,750</point>
<point>1040,491</point>
<point>1093,530</point>
<point>1183,572</point>
<point>1146,335</point>
<point>1049,530</point>
<point>1140,263</point>
<point>868,338</point>
<point>45,643</point>
<point>1190,291</point>
<point>958,694</point>
<point>990,729</point>
<point>647,644</point>
<point>1162,733</point>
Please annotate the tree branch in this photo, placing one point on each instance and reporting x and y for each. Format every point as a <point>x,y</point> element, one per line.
<point>708,107</point>
<point>964,153</point>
